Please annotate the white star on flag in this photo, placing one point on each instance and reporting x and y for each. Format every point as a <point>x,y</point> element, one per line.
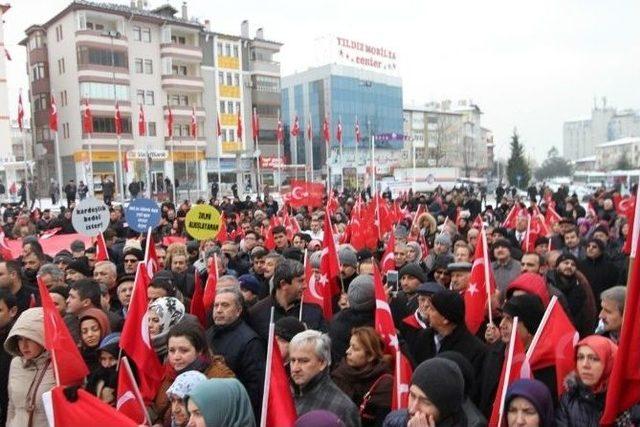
<point>473,289</point>
<point>323,280</point>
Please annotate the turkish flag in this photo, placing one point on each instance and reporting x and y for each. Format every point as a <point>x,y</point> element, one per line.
<point>625,205</point>
<point>53,115</point>
<point>514,367</point>
<point>339,132</point>
<point>135,340</point>
<point>129,401</point>
<point>169,122</point>
<point>5,250</point>
<point>20,111</point>
<point>310,293</point>
<point>101,249</point>
<point>551,216</point>
<point>326,133</point>
<point>86,410</point>
<point>479,291</point>
<point>269,241</point>
<point>623,390</point>
<point>477,223</point>
<point>69,366</point>
<point>357,131</point>
<point>329,269</point>
<point>255,126</point>
<point>222,236</point>
<point>197,302</point>
<point>142,125</point>
<point>632,219</point>
<point>280,408</point>
<point>50,233</point>
<point>305,193</point>
<point>212,283</point>
<point>516,211</point>
<point>295,129</point>
<point>553,344</point>
<point>388,262</point>
<point>383,318</point>
<point>401,382</point>
<point>118,120</point>
<point>279,132</point>
<point>239,128</point>
<point>193,127</point>
<point>87,119</point>
<point>384,218</point>
<point>151,258</point>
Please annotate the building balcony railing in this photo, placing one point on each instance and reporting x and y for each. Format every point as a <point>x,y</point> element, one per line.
<point>269,67</point>
<point>229,91</point>
<point>229,62</point>
<point>183,52</point>
<point>184,110</point>
<point>99,36</point>
<point>183,83</point>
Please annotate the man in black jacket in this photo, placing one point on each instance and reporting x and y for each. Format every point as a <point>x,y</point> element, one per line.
<point>241,347</point>
<point>448,331</point>
<point>598,269</point>
<point>288,282</point>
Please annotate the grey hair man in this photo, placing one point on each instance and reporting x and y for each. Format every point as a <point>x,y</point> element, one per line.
<point>310,359</point>
<point>51,275</point>
<point>612,303</point>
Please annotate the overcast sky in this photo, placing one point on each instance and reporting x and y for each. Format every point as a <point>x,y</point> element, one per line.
<point>530,65</point>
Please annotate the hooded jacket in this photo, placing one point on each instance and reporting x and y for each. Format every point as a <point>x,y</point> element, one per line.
<point>26,374</point>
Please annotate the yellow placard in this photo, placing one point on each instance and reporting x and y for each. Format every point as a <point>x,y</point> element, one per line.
<point>228,62</point>
<point>203,222</point>
<point>229,91</point>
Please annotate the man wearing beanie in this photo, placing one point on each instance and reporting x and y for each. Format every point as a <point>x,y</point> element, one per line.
<point>288,280</point>
<point>598,269</point>
<point>441,246</point>
<point>405,301</point>
<point>361,312</point>
<point>575,288</point>
<point>436,396</point>
<point>348,266</point>
<point>448,332</point>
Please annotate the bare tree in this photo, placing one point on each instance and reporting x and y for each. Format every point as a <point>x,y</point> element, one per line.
<point>443,133</point>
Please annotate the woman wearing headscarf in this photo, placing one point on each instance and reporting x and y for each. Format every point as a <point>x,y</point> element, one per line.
<point>183,384</point>
<point>528,404</point>
<point>232,406</point>
<point>187,351</point>
<point>94,326</point>
<point>163,313</point>
<point>583,402</point>
<point>364,375</point>
<point>31,371</point>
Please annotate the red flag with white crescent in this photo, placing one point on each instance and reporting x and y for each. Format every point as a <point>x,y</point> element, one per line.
<point>169,122</point>
<point>53,115</point>
<point>239,128</point>
<point>479,292</point>
<point>357,131</point>
<point>193,128</point>
<point>129,400</point>
<point>279,132</point>
<point>142,125</point>
<point>255,126</point>
<point>118,120</point>
<point>87,118</point>
<point>211,284</point>
<point>310,293</point>
<point>326,133</point>
<point>101,248</point>
<point>295,129</point>
<point>20,111</point>
<point>388,262</point>
<point>339,132</point>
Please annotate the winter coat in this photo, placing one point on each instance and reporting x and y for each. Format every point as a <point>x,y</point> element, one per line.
<point>322,393</point>
<point>601,274</point>
<point>356,383</point>
<point>459,340</point>
<point>24,374</point>
<point>260,314</point>
<point>400,418</point>
<point>245,355</point>
<point>489,377</point>
<point>214,368</point>
<point>580,301</point>
<point>579,406</point>
<point>340,330</point>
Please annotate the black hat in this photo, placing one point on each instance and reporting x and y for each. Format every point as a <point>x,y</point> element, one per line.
<point>288,327</point>
<point>450,305</point>
<point>501,243</point>
<point>363,254</point>
<point>598,242</point>
<point>465,366</point>
<point>565,256</point>
<point>442,261</point>
<point>528,308</point>
<point>459,266</point>
<point>542,240</point>
<point>135,252</point>
<point>81,265</point>
<point>429,288</point>
<point>414,270</point>
<point>126,278</point>
<point>442,382</point>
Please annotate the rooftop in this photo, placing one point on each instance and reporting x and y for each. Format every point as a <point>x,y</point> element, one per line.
<point>622,141</point>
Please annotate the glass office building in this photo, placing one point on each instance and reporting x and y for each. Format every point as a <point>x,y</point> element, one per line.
<point>342,93</point>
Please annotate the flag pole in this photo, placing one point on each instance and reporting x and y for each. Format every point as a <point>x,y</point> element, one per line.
<point>26,166</point>
<point>219,164</point>
<point>256,132</point>
<point>58,164</point>
<point>279,155</point>
<point>487,276</point>
<point>267,377</point>
<point>507,371</point>
<point>90,178</point>
<point>413,158</point>
<point>197,166</point>
<point>543,323</point>
<point>357,158</point>
<point>341,157</point>
<point>311,145</point>
<point>302,295</point>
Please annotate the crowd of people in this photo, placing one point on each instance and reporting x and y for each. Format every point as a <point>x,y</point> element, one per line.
<point>340,369</point>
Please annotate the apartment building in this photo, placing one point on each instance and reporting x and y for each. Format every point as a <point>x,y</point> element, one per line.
<point>149,59</point>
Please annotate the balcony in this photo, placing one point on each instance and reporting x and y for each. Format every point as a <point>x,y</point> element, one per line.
<point>232,146</point>
<point>229,91</point>
<point>229,62</point>
<point>184,52</point>
<point>184,110</point>
<point>99,37</point>
<point>182,83</point>
<point>265,67</point>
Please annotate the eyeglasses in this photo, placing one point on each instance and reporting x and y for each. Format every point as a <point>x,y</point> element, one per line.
<point>130,260</point>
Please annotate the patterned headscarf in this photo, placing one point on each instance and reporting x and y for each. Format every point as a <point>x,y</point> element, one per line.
<point>169,310</point>
<point>184,383</point>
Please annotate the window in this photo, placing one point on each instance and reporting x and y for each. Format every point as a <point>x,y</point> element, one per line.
<point>229,79</point>
<point>108,125</point>
<point>220,77</point>
<point>236,79</point>
<point>61,68</point>
<point>137,34</point>
<point>267,110</point>
<point>148,66</point>
<point>237,107</point>
<point>38,71</point>
<point>219,48</point>
<point>35,42</point>
<point>223,135</point>
<point>146,35</point>
<point>43,134</point>
<point>151,128</point>
<point>227,49</point>
<point>229,107</point>
<point>179,70</point>
<point>184,100</point>
<point>235,51</point>
<point>267,84</point>
<point>65,130</point>
<point>150,98</point>
<point>41,102</point>
<point>140,97</point>
<point>96,56</point>
<point>138,65</point>
<point>59,33</point>
<point>178,40</point>
<point>95,90</point>
<point>64,100</point>
<point>97,27</point>
<point>223,107</point>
